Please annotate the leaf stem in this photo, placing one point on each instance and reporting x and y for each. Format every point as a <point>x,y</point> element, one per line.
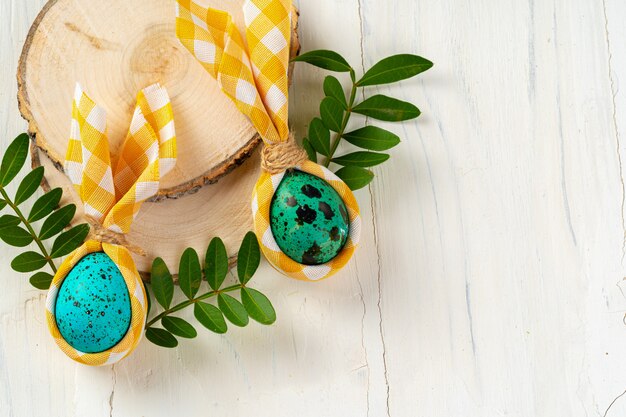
<point>187,303</point>
<point>29,227</point>
<point>344,122</point>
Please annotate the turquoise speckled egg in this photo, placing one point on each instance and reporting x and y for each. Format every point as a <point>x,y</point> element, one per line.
<point>308,218</point>
<point>93,311</point>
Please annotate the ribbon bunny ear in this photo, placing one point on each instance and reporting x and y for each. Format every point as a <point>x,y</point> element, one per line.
<point>254,76</point>
<point>113,197</point>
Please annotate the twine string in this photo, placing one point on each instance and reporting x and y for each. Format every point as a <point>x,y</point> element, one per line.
<point>280,156</point>
<point>101,234</point>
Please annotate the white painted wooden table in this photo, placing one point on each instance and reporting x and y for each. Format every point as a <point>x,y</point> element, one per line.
<point>490,279</point>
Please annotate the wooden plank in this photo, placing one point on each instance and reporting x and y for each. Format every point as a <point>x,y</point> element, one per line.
<point>491,273</point>
<point>33,382</point>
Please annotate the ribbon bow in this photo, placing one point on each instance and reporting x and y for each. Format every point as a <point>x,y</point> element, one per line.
<point>113,189</point>
<point>252,74</point>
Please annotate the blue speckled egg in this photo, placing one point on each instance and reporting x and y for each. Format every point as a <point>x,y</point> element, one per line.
<point>93,311</point>
<point>308,218</point>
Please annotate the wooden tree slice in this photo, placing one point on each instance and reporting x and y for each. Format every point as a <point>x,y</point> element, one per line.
<point>113,49</point>
<point>167,228</point>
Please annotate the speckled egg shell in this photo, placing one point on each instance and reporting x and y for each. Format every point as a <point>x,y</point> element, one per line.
<point>308,218</point>
<point>93,311</point>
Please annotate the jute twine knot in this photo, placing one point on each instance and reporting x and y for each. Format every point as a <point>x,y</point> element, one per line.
<point>101,234</point>
<point>280,156</point>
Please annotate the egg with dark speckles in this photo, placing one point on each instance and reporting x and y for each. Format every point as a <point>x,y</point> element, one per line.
<point>308,218</point>
<point>93,311</point>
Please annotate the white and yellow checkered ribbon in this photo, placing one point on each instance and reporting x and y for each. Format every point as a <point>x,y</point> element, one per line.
<point>254,74</point>
<point>261,202</point>
<point>112,190</point>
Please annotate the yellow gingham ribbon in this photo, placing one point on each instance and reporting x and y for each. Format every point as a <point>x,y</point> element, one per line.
<point>261,202</point>
<point>138,304</point>
<point>254,76</point>
<point>112,190</point>
<point>113,196</point>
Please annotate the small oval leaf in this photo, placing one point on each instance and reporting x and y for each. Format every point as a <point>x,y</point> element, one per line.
<point>162,283</point>
<point>179,327</point>
<point>332,113</point>
<point>148,299</point>
<point>249,257</point>
<point>319,136</point>
<point>355,177</point>
<point>216,263</point>
<point>387,109</point>
<point>69,241</point>
<point>9,220</point>
<point>3,203</point>
<point>161,337</point>
<point>258,306</point>
<point>13,159</point>
<point>57,221</point>
<point>45,204</point>
<point>334,89</point>
<point>16,236</point>
<point>325,59</point>
<point>189,273</point>
<point>306,144</point>
<point>28,262</point>
<point>29,185</point>
<point>41,280</point>
<point>361,159</point>
<point>210,317</point>
<point>234,311</point>
<point>372,138</point>
<point>395,68</point>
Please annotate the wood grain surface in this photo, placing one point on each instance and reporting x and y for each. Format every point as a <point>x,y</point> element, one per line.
<point>490,281</point>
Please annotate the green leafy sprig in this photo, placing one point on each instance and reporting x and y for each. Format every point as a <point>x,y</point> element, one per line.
<point>44,221</point>
<point>191,275</point>
<point>21,230</point>
<point>335,112</point>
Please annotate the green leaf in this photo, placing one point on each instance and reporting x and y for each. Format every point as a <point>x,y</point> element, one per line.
<point>387,109</point>
<point>216,263</point>
<point>395,68</point>
<point>325,59</point>
<point>258,306</point>
<point>29,185</point>
<point>355,177</point>
<point>331,112</point>
<point>319,136</point>
<point>334,89</point>
<point>148,299</point>
<point>41,280</point>
<point>9,220</point>
<point>189,273</point>
<point>161,337</point>
<point>372,138</point>
<point>57,221</point>
<point>361,159</point>
<point>28,262</point>
<point>14,158</point>
<point>16,236</point>
<point>234,311</point>
<point>3,204</point>
<point>249,257</point>
<point>306,144</point>
<point>70,240</point>
<point>210,317</point>
<point>179,327</point>
<point>45,205</point>
<point>162,283</point>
